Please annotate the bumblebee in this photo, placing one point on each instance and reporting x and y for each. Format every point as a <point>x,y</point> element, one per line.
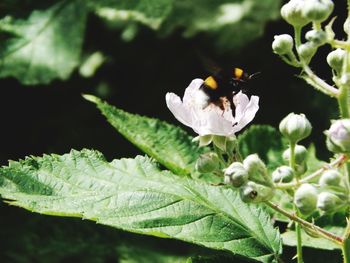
<point>221,86</point>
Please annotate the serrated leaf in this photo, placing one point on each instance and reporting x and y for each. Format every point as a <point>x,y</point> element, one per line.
<point>44,47</point>
<point>168,144</point>
<point>135,195</point>
<point>264,140</point>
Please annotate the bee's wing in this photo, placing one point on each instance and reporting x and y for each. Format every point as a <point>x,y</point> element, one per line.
<point>210,65</point>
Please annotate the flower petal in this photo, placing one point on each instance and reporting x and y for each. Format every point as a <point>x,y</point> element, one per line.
<point>241,101</point>
<point>191,91</point>
<point>177,108</point>
<point>210,121</point>
<point>248,114</point>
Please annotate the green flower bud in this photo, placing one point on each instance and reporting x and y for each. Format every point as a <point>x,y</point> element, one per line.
<point>235,174</point>
<point>283,174</point>
<point>300,168</point>
<point>300,154</point>
<point>254,193</point>
<point>328,202</point>
<point>345,79</point>
<point>256,169</point>
<point>330,178</point>
<point>335,59</point>
<point>338,136</point>
<point>282,44</point>
<point>207,162</point>
<point>317,37</point>
<point>317,10</point>
<point>305,198</point>
<point>295,127</point>
<point>307,50</point>
<point>346,26</point>
<point>292,13</point>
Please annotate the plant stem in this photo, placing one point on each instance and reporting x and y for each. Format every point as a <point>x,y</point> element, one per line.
<point>318,83</point>
<point>316,229</point>
<point>297,36</point>
<point>297,224</point>
<point>343,99</point>
<point>312,78</point>
<point>346,244</point>
<point>346,250</point>
<point>299,240</point>
<point>292,155</point>
<point>336,163</point>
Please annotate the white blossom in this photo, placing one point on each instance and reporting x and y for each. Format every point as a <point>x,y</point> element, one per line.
<point>208,119</point>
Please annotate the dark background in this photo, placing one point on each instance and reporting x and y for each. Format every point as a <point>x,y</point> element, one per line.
<point>55,118</point>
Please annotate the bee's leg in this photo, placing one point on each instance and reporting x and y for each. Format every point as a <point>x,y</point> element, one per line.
<point>232,105</point>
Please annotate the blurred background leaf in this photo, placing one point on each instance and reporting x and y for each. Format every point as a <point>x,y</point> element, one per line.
<point>45,46</point>
<point>48,43</point>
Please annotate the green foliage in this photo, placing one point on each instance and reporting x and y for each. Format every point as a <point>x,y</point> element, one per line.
<point>229,24</point>
<point>45,46</point>
<point>289,239</point>
<point>46,43</point>
<point>149,12</point>
<point>313,163</point>
<point>168,144</point>
<point>264,140</point>
<point>135,195</point>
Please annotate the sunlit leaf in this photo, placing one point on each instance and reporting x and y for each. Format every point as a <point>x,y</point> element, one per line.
<point>135,195</point>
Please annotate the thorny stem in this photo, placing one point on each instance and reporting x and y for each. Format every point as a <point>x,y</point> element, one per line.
<point>316,229</point>
<point>320,84</point>
<point>336,163</point>
<point>312,78</point>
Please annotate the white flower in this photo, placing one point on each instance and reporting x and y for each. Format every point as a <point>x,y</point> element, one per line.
<point>208,119</point>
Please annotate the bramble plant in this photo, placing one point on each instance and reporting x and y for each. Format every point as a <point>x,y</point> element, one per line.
<point>221,190</point>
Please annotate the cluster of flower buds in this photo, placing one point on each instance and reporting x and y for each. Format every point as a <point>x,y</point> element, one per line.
<point>252,179</point>
<point>327,196</point>
<point>300,13</point>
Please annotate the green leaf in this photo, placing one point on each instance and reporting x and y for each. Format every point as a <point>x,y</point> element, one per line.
<point>168,144</point>
<point>289,239</point>
<point>228,24</point>
<point>135,195</point>
<point>264,140</point>
<point>148,12</point>
<point>45,46</point>
<point>313,163</point>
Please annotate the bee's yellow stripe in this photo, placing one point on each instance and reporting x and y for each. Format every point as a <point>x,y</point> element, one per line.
<point>211,82</point>
<point>237,73</point>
